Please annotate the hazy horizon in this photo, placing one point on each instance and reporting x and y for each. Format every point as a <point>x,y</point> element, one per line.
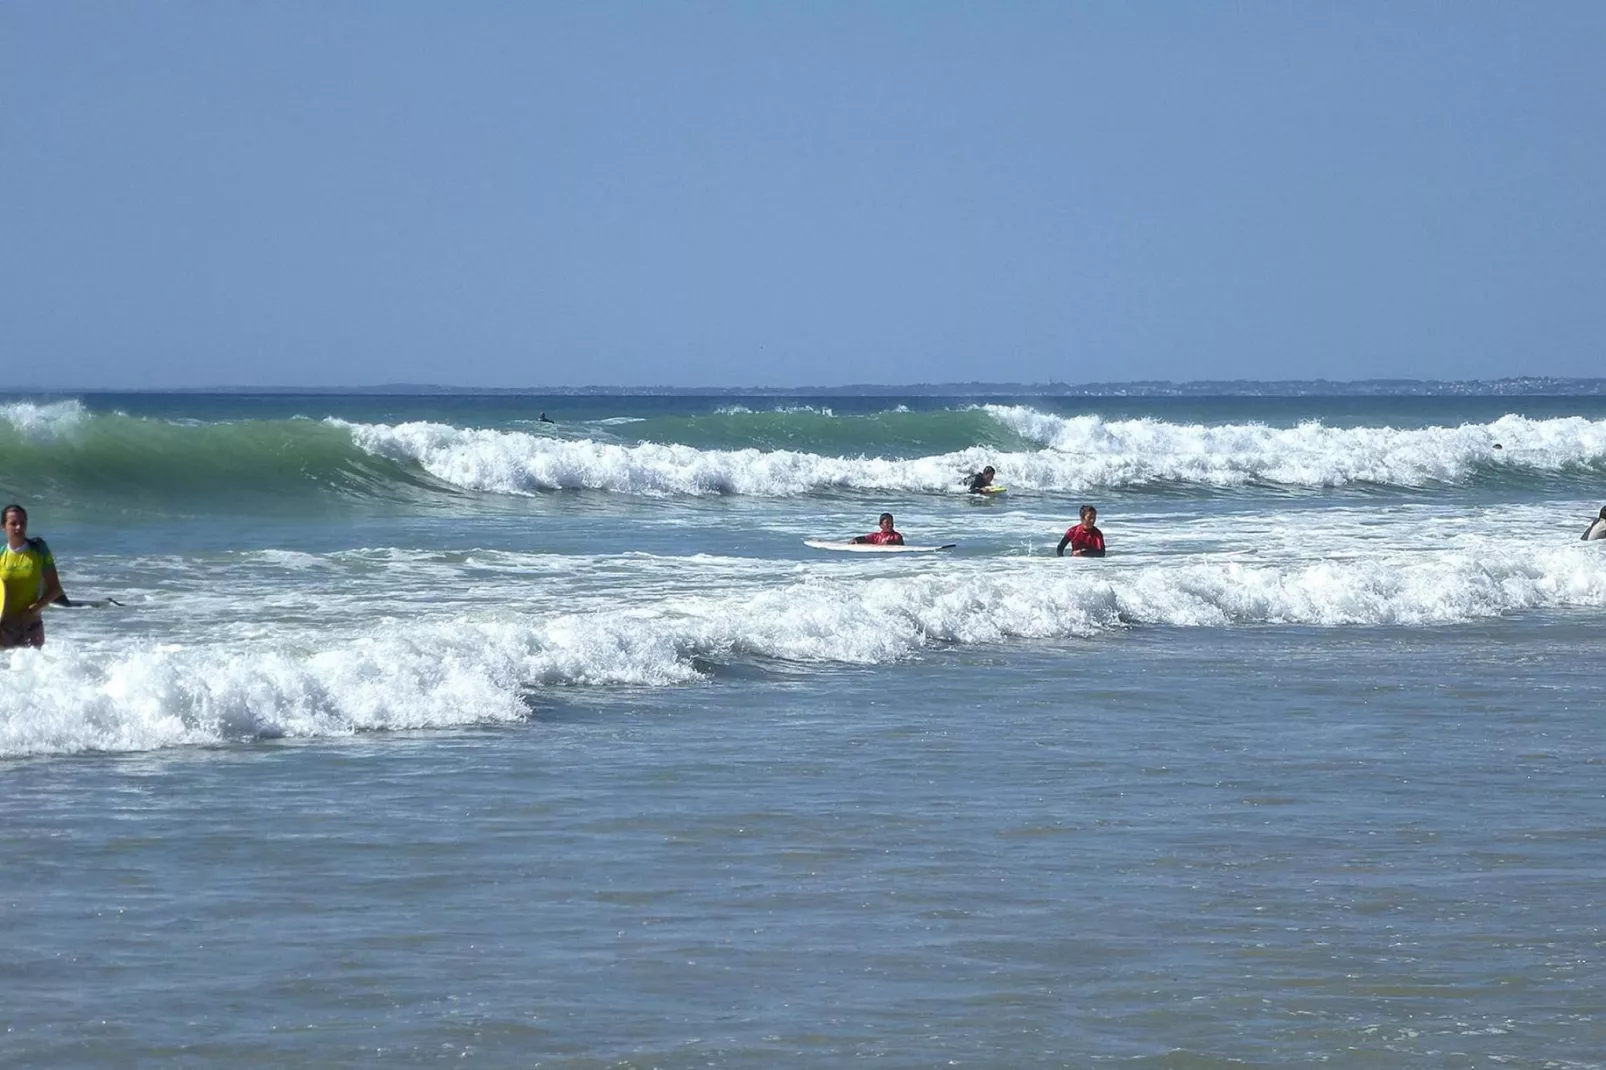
<point>1509,386</point>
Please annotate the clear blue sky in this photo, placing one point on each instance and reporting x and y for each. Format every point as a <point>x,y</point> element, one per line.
<point>744,194</point>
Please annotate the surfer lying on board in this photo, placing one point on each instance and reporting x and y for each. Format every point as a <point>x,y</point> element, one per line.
<point>885,537</point>
<point>1597,528</point>
<point>981,480</point>
<point>28,582</point>
<point>1085,539</point>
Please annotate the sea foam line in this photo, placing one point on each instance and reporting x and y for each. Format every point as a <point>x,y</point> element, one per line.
<point>121,695</point>
<point>1133,452</point>
<point>1079,454</point>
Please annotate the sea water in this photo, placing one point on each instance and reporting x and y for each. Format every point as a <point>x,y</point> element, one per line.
<point>430,733</point>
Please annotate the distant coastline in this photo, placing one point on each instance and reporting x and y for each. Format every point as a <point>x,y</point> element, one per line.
<point>1519,386</point>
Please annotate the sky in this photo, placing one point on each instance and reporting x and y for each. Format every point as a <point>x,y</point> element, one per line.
<point>511,194</point>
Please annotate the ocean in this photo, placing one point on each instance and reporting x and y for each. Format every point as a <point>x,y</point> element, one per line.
<point>429,733</point>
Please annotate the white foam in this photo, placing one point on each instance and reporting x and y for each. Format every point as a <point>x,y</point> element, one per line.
<point>1080,454</point>
<point>1112,453</point>
<point>743,410</point>
<point>43,421</point>
<point>513,462</point>
<point>422,666</point>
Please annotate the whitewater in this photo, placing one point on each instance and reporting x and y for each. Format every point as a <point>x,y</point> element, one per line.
<point>1074,454</point>
<point>505,589</point>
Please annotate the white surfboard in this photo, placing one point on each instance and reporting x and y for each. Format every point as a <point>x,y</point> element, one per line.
<point>872,548</point>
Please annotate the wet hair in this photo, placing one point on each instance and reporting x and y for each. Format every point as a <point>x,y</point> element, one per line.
<point>1086,509</point>
<point>888,516</point>
<point>1602,512</point>
<point>988,470</point>
<point>14,506</point>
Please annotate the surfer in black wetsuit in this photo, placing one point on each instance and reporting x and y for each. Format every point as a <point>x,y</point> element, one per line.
<point>981,480</point>
<point>1597,528</point>
<point>545,419</point>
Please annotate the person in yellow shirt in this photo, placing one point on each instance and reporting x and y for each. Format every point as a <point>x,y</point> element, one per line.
<point>28,582</point>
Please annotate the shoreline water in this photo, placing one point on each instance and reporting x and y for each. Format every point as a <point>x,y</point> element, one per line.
<point>1118,852</point>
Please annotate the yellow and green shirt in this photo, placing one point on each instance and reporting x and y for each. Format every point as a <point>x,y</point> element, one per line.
<point>22,575</point>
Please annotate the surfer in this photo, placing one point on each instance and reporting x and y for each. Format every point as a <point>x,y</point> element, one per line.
<point>1085,539</point>
<point>1597,527</point>
<point>28,582</point>
<point>886,536</point>
<point>545,419</point>
<point>980,481</point>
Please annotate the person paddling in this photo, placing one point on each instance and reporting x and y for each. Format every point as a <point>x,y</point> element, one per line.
<point>28,581</point>
<point>1085,539</point>
<point>982,480</point>
<point>886,536</point>
<point>1597,529</point>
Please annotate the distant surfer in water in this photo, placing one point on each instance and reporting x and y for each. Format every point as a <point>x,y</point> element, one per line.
<point>981,480</point>
<point>28,581</point>
<point>884,537</point>
<point>1597,529</point>
<point>545,419</point>
<point>1085,539</point>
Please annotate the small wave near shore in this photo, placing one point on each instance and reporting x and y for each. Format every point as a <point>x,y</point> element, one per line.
<point>459,666</point>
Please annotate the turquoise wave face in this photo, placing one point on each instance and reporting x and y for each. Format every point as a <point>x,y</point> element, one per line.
<point>84,461</point>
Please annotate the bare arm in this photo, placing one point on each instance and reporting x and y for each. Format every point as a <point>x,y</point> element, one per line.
<point>53,590</point>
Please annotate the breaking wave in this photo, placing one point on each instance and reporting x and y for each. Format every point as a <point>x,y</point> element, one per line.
<point>401,673</point>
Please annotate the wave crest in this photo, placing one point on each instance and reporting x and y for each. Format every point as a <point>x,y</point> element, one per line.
<point>1079,454</point>
<point>1116,453</point>
<point>42,421</point>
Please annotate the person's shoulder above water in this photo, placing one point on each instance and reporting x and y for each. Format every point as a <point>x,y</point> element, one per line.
<point>1084,539</point>
<point>885,535</point>
<point>1597,528</point>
